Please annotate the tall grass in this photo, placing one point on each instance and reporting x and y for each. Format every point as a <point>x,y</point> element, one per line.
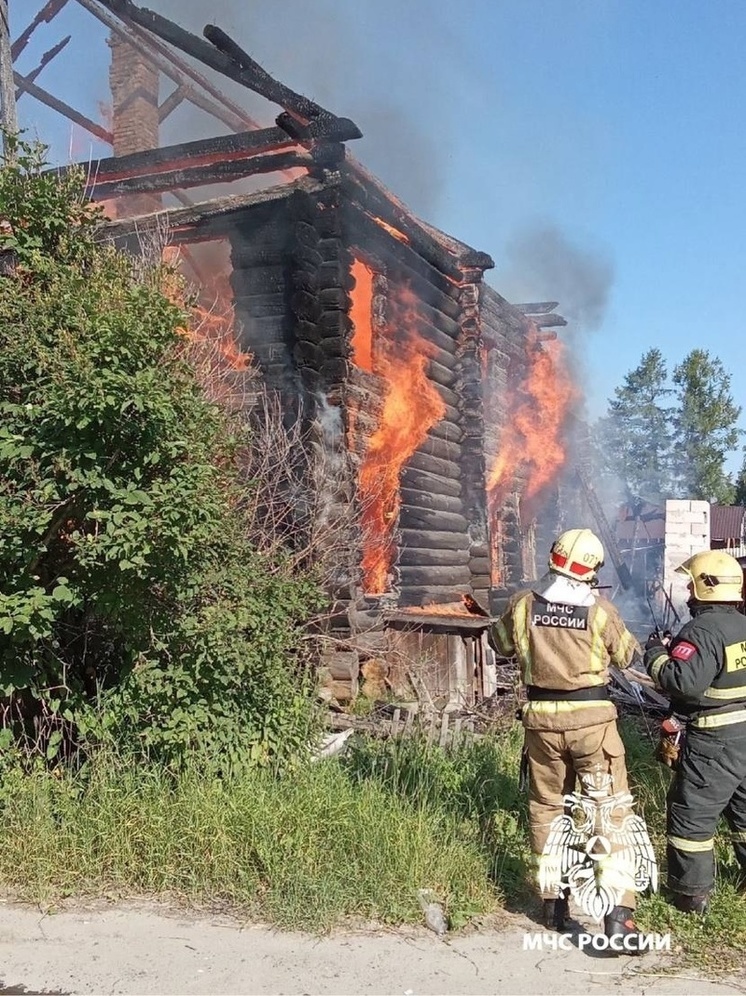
<point>356,837</point>
<point>305,850</point>
<point>717,939</point>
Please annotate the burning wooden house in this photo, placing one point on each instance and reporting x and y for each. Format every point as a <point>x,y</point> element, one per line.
<point>425,385</point>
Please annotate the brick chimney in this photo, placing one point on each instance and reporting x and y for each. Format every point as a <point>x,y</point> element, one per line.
<point>134,85</point>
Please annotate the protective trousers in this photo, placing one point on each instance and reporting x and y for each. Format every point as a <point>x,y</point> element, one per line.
<point>555,761</point>
<point>710,782</point>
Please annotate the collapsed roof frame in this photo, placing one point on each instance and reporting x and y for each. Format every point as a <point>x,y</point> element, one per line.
<point>153,36</point>
<point>305,134</point>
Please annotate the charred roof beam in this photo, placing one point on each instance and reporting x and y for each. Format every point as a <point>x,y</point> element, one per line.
<point>24,83</point>
<point>177,70</point>
<point>222,54</point>
<point>45,15</point>
<point>45,60</point>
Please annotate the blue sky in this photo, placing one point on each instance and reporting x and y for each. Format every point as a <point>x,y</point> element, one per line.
<point>608,133</point>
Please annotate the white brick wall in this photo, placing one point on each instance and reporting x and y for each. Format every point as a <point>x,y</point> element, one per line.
<point>687,533</point>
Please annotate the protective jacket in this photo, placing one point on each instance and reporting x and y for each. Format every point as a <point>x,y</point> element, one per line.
<point>704,672</point>
<point>704,669</point>
<point>564,652</point>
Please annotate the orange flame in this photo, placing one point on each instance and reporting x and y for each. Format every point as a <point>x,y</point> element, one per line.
<point>391,230</point>
<point>211,329</point>
<point>411,406</point>
<point>361,311</point>
<point>532,443</point>
<point>109,207</point>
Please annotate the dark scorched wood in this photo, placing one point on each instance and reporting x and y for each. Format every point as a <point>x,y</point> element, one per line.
<point>238,66</point>
<point>199,176</point>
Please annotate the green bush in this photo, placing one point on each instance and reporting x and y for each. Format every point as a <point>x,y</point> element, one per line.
<point>132,604</point>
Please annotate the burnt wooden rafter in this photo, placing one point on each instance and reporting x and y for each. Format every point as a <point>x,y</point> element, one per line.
<point>176,69</point>
<point>169,105</point>
<point>548,321</point>
<point>197,153</point>
<point>45,60</point>
<point>62,108</point>
<point>537,308</point>
<point>206,221</point>
<point>202,162</point>
<point>227,58</point>
<point>418,244</point>
<point>45,15</point>
<point>222,171</point>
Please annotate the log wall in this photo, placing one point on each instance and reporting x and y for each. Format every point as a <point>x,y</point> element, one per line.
<point>293,281</point>
<point>504,333</point>
<point>260,243</point>
<point>433,543</point>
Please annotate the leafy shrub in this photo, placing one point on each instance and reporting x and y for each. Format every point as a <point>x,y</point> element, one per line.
<point>132,604</point>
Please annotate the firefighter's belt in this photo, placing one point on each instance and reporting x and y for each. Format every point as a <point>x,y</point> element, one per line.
<point>597,694</point>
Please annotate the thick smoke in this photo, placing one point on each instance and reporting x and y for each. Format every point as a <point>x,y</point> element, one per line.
<point>321,50</point>
<point>542,260</point>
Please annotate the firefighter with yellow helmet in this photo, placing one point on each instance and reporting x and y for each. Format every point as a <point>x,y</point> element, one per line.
<point>703,670</point>
<point>565,635</point>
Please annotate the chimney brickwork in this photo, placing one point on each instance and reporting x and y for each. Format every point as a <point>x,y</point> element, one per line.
<point>134,85</point>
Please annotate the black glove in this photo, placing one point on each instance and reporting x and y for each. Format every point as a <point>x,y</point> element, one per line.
<point>655,648</point>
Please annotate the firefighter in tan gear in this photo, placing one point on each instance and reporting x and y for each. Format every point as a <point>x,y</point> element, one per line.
<point>703,670</point>
<point>564,636</point>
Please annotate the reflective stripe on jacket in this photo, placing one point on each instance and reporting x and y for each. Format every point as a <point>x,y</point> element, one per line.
<point>563,647</point>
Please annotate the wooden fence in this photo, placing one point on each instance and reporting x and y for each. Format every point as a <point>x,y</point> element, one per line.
<point>447,730</point>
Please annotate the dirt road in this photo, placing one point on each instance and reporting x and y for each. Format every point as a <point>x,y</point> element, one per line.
<point>130,949</point>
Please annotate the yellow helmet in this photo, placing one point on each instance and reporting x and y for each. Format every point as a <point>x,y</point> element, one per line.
<point>577,554</point>
<point>715,576</point>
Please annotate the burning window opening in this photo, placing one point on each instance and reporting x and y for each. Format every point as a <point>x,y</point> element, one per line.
<point>531,443</point>
<point>411,406</point>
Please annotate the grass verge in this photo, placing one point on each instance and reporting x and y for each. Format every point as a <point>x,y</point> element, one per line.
<point>306,850</point>
<point>356,837</point>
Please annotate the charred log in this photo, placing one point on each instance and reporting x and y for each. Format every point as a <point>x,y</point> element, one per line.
<point>438,536</point>
<point>444,449</point>
<point>441,375</point>
<point>198,176</point>
<point>447,431</point>
<point>443,576</point>
<point>199,153</point>
<point>425,498</point>
<point>432,594</point>
<point>434,465</point>
<point>436,558</point>
<point>540,308</point>
<point>421,485</point>
<point>421,518</point>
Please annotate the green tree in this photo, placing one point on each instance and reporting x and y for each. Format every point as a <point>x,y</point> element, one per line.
<point>706,428</point>
<point>131,602</point>
<point>739,497</point>
<point>634,440</point>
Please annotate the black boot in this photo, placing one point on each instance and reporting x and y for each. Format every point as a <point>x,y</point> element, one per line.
<point>620,927</point>
<point>690,904</point>
<point>556,913</point>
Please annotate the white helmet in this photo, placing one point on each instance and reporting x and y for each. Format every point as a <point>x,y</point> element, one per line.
<point>577,554</point>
